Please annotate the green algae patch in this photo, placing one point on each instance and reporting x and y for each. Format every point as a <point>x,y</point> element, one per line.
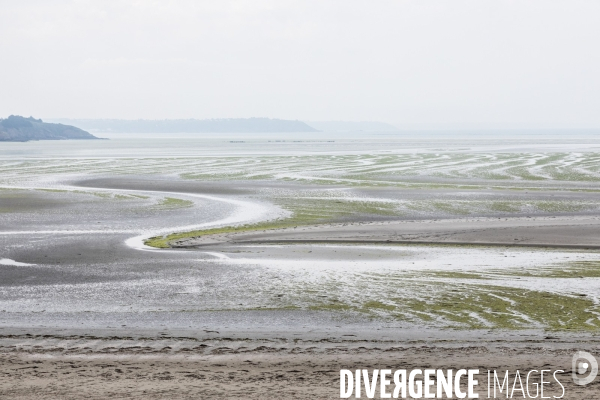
<point>505,207</point>
<point>378,305</point>
<point>170,203</point>
<point>266,308</point>
<point>469,304</point>
<point>484,307</point>
<point>450,208</point>
<point>332,307</point>
<point>163,242</point>
<point>457,275</point>
<point>574,269</point>
<point>510,308</point>
<point>304,211</point>
<point>60,191</point>
<point>560,206</point>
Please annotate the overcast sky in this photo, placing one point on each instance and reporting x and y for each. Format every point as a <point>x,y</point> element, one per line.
<point>420,63</point>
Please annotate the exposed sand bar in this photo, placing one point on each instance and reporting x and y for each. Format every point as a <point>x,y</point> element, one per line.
<point>560,231</point>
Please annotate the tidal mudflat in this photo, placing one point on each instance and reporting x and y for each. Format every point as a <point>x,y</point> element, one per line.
<point>338,249</point>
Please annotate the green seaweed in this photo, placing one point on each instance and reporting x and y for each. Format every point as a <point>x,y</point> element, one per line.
<point>173,203</point>
<point>484,306</point>
<point>303,212</point>
<point>573,269</point>
<point>510,308</point>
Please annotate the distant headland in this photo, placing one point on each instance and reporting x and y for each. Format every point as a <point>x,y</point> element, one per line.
<point>20,129</point>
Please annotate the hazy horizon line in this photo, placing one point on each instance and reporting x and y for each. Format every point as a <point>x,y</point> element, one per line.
<point>451,126</point>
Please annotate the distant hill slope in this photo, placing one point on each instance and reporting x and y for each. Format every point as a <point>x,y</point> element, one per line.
<point>21,129</point>
<point>231,125</point>
<point>349,126</point>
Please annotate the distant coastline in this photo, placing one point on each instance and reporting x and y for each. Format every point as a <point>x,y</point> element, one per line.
<point>229,125</point>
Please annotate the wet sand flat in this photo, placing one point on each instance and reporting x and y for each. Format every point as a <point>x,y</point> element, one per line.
<point>354,255</point>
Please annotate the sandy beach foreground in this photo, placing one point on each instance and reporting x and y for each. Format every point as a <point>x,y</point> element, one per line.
<point>305,374</point>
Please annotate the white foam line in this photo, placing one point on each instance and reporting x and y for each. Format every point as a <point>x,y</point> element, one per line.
<point>245,212</point>
<point>8,261</point>
<point>66,232</point>
<point>220,256</point>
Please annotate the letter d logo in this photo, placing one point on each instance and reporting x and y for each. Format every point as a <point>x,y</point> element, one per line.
<point>584,363</point>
